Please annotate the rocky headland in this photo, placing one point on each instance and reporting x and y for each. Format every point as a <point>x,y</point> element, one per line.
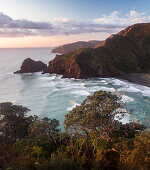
<point>121,54</point>
<point>124,55</point>
<point>68,48</point>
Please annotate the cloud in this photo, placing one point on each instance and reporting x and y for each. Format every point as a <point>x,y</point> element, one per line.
<point>61,19</point>
<point>64,26</point>
<point>126,20</point>
<point>7,22</point>
<point>16,32</point>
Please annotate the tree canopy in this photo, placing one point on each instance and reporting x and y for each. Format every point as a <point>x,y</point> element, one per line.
<point>14,121</point>
<point>93,139</point>
<point>95,114</point>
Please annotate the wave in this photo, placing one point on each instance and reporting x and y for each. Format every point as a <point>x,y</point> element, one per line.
<point>81,92</point>
<point>126,99</point>
<point>122,115</point>
<point>74,104</point>
<point>118,82</point>
<point>83,85</point>
<point>145,91</point>
<point>69,85</point>
<point>102,81</point>
<point>108,89</point>
<point>48,78</point>
<point>10,73</point>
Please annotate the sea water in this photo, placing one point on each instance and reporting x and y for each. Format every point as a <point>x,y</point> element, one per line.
<point>51,96</point>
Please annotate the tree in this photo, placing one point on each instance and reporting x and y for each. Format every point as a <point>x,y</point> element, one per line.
<point>45,128</point>
<point>45,133</point>
<point>91,122</point>
<point>96,114</point>
<point>140,155</point>
<point>94,124</point>
<point>14,121</point>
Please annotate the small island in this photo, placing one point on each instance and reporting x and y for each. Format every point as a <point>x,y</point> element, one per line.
<point>31,66</point>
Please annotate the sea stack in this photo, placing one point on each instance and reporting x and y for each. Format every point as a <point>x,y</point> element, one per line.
<point>31,66</point>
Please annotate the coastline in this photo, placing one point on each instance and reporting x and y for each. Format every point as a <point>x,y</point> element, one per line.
<point>138,78</point>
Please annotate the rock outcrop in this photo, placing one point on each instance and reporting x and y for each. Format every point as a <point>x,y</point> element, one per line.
<point>31,66</point>
<point>68,48</point>
<point>126,52</point>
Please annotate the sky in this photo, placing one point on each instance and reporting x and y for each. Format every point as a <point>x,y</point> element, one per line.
<point>48,23</point>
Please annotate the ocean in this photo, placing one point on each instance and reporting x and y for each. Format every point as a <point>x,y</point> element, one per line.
<point>51,96</point>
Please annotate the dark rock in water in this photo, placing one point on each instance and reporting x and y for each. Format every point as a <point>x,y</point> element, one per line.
<point>31,66</point>
<point>120,54</point>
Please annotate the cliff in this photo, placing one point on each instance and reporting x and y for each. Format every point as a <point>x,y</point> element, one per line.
<point>67,48</point>
<point>126,52</point>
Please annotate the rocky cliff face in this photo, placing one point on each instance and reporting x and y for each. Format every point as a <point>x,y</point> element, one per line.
<point>82,64</point>
<point>136,30</point>
<point>31,66</point>
<point>126,52</point>
<point>68,48</point>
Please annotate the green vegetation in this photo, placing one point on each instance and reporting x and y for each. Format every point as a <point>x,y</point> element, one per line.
<point>93,138</point>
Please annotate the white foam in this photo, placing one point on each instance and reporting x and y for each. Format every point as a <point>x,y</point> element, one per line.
<point>137,89</point>
<point>10,73</point>
<point>122,115</point>
<point>83,85</point>
<point>108,89</point>
<point>48,78</point>
<point>70,85</point>
<point>102,81</point>
<point>37,73</point>
<point>74,104</point>
<point>26,73</point>
<point>72,78</point>
<point>119,82</point>
<point>97,88</point>
<point>133,89</point>
<point>146,91</point>
<point>126,99</point>
<point>81,92</point>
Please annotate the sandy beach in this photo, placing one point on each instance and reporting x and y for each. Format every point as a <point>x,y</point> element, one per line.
<point>138,78</point>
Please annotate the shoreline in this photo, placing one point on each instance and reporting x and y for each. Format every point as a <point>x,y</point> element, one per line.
<point>137,78</point>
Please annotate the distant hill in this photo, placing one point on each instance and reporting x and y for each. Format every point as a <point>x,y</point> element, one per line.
<point>67,48</point>
<point>126,52</point>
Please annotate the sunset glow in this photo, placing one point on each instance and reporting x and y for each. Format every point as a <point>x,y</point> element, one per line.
<point>55,22</point>
<point>49,41</point>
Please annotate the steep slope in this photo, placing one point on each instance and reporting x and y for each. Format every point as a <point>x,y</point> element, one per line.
<point>67,48</point>
<point>126,52</point>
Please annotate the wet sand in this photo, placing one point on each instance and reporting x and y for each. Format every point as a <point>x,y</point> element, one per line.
<point>138,78</point>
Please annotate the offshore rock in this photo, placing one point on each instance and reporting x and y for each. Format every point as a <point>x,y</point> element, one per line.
<point>31,66</point>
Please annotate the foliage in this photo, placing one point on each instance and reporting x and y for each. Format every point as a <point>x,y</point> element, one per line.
<point>44,128</point>
<point>14,122</point>
<point>140,155</point>
<point>95,114</point>
<point>93,139</point>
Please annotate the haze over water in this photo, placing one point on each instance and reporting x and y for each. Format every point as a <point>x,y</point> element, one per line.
<point>52,96</point>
